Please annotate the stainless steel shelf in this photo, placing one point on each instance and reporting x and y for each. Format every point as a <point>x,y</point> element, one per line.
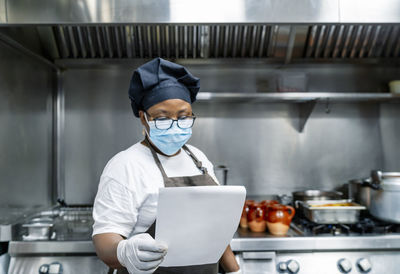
<point>298,97</point>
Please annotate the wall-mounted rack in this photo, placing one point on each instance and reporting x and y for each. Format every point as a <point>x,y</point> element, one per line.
<point>298,97</point>
<point>306,100</point>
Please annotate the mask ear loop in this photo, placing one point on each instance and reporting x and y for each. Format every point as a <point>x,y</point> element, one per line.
<point>144,131</point>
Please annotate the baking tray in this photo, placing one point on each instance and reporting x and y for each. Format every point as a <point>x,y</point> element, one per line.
<point>317,213</point>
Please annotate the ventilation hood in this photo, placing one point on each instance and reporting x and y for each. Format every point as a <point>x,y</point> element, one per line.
<point>280,30</point>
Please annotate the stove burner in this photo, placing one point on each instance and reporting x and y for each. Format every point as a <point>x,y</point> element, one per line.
<point>366,226</point>
<point>337,229</point>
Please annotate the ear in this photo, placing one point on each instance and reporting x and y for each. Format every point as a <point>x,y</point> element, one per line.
<point>142,119</point>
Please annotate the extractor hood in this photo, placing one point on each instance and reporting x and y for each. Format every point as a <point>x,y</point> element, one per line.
<point>276,30</point>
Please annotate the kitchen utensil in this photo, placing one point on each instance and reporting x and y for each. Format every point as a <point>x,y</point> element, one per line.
<point>331,211</point>
<point>384,195</point>
<point>312,194</point>
<point>359,192</point>
<point>279,218</point>
<point>256,217</point>
<point>267,204</point>
<point>246,208</point>
<point>37,231</point>
<point>221,172</point>
<point>394,87</point>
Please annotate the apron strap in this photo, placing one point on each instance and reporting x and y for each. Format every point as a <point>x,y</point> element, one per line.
<point>197,162</point>
<point>158,163</point>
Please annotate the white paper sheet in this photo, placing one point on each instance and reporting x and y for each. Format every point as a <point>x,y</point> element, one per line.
<point>197,223</point>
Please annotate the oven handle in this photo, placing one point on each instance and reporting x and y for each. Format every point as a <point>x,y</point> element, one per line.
<point>258,255</point>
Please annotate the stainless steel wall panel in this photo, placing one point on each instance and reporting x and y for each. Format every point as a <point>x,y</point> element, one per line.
<point>171,11</point>
<point>390,130</point>
<point>258,141</point>
<point>369,11</point>
<point>97,112</point>
<point>3,11</point>
<point>26,87</point>
<point>267,155</point>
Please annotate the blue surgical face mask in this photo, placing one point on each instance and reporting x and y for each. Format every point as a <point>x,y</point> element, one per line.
<point>168,141</point>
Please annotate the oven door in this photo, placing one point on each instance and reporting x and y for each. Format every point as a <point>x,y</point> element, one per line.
<point>56,265</point>
<point>257,262</point>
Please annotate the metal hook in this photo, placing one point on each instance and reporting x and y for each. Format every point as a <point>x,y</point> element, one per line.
<point>327,106</point>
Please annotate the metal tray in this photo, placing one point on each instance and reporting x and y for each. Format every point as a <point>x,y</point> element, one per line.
<point>331,214</point>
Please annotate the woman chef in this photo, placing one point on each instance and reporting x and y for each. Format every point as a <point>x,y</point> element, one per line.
<point>124,210</point>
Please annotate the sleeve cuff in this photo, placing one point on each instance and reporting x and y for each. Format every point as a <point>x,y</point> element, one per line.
<point>118,230</point>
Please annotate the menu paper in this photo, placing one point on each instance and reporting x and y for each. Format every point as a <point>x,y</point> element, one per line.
<point>197,223</point>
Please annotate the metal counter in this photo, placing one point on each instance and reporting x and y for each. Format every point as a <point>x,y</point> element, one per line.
<point>320,243</point>
<point>255,242</point>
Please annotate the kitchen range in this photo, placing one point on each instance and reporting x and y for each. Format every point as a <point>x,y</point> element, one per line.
<point>369,246</point>
<point>335,240</point>
<point>59,241</point>
<point>292,99</point>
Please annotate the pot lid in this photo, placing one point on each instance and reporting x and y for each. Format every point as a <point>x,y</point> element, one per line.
<point>388,180</point>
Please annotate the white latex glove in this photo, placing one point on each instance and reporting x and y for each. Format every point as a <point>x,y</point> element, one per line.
<point>236,272</point>
<point>141,254</point>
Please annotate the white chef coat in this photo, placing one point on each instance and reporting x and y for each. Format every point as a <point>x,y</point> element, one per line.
<point>126,200</point>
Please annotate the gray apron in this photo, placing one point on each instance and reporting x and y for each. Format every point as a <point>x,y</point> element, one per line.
<point>198,180</point>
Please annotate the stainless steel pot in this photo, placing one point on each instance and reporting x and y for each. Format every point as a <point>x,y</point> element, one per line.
<point>360,192</point>
<point>381,194</point>
<point>313,195</point>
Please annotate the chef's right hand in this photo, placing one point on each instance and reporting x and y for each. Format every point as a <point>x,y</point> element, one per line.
<point>141,253</point>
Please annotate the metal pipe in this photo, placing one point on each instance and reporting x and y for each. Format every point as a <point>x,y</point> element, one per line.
<point>289,51</point>
<point>216,40</point>
<point>91,43</point>
<point>262,41</point>
<point>167,41</point>
<point>176,42</point>
<point>149,42</point>
<point>72,41</point>
<point>338,42</point>
<point>58,138</point>
<point>99,42</point>
<point>108,40</point>
<point>311,41</point>
<point>235,40</point>
<point>63,42</point>
<point>357,40</point>
<point>347,41</point>
<point>158,41</point>
<point>194,41</point>
<point>374,41</point>
<point>140,40</point>
<point>329,42</point>
<point>244,41</point>
<point>365,42</point>
<point>253,41</point>
<point>81,42</point>
<point>321,38</point>
<point>185,42</point>
<point>128,40</point>
<point>118,42</point>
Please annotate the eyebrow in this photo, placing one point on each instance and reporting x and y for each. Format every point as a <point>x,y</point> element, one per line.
<point>162,111</point>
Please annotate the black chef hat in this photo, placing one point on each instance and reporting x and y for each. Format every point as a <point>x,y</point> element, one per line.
<point>159,80</point>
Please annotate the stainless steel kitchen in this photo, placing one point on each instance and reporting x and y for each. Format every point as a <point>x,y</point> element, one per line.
<point>299,103</point>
